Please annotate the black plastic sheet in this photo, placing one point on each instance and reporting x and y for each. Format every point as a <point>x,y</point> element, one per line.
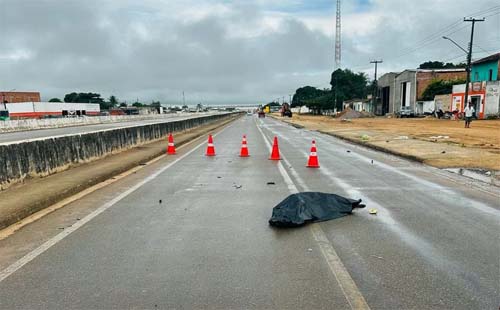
<point>301,208</point>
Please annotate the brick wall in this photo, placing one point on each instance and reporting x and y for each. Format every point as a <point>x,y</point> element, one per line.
<point>15,97</point>
<point>424,78</point>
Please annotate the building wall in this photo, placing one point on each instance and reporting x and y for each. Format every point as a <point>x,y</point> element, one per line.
<point>459,94</point>
<point>386,81</point>
<point>492,100</point>
<point>443,102</point>
<point>15,97</point>
<point>481,72</point>
<point>407,76</point>
<point>425,77</point>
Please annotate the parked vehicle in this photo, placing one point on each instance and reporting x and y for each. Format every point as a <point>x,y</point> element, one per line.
<point>405,112</point>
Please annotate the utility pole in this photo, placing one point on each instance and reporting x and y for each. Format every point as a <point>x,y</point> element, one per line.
<point>183,99</point>
<point>375,84</point>
<point>469,57</point>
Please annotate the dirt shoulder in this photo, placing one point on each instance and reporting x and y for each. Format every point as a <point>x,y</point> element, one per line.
<point>439,143</point>
<point>35,194</point>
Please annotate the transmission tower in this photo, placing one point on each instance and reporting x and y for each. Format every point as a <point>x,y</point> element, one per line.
<point>337,38</point>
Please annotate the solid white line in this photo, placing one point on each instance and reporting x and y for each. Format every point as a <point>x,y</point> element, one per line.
<point>53,241</point>
<point>347,285</point>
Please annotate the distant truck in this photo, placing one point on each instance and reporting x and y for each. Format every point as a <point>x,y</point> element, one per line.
<point>285,110</point>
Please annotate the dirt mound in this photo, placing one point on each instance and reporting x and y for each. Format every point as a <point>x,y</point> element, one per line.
<point>350,113</point>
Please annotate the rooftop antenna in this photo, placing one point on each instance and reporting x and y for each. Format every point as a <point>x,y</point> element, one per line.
<point>338,38</point>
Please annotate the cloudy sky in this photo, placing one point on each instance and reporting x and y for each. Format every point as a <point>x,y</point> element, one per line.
<point>223,51</point>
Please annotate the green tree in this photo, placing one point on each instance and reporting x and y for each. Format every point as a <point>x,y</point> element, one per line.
<point>440,65</point>
<point>440,87</point>
<point>83,98</point>
<point>55,100</point>
<point>113,101</point>
<point>123,105</point>
<point>137,104</point>
<point>347,85</point>
<point>306,93</point>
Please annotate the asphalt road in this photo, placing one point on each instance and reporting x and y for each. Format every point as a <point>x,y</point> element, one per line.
<point>52,132</point>
<point>434,243</point>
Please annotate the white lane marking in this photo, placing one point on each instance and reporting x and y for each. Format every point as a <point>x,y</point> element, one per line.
<point>425,248</point>
<point>347,285</point>
<point>53,241</point>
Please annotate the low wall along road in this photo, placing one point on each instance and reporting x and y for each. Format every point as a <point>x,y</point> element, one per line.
<point>42,157</point>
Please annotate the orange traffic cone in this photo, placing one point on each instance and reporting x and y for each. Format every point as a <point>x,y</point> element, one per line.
<point>244,147</point>
<point>313,157</point>
<point>210,147</point>
<point>171,145</point>
<point>275,154</point>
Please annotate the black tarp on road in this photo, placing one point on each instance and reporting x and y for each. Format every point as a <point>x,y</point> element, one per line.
<point>301,208</point>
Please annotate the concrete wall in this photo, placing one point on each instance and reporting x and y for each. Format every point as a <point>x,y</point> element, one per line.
<point>387,81</point>
<point>408,76</point>
<point>32,124</point>
<point>47,156</point>
<point>492,100</point>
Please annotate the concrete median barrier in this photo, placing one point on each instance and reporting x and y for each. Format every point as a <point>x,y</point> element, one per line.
<point>42,157</point>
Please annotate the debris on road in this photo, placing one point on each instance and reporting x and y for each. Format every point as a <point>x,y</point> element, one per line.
<point>271,183</point>
<point>373,211</point>
<point>237,186</point>
<point>160,201</point>
<point>401,138</point>
<point>301,208</point>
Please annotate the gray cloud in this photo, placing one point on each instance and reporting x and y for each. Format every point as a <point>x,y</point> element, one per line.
<point>232,53</point>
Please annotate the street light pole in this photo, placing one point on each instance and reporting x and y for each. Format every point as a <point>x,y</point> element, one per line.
<point>451,40</point>
<point>469,58</point>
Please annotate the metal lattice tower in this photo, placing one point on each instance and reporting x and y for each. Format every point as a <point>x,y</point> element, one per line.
<point>338,38</point>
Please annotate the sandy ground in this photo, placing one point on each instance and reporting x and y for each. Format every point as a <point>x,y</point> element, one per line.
<point>440,143</point>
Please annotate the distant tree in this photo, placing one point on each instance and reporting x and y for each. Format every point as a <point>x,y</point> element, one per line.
<point>306,93</point>
<point>440,87</point>
<point>83,98</point>
<point>113,101</point>
<point>185,107</point>
<point>440,65</point>
<point>123,105</point>
<point>55,100</point>
<point>137,104</point>
<point>347,85</point>
<point>72,97</point>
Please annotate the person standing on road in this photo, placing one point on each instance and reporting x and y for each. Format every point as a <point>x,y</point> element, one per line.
<point>469,112</point>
